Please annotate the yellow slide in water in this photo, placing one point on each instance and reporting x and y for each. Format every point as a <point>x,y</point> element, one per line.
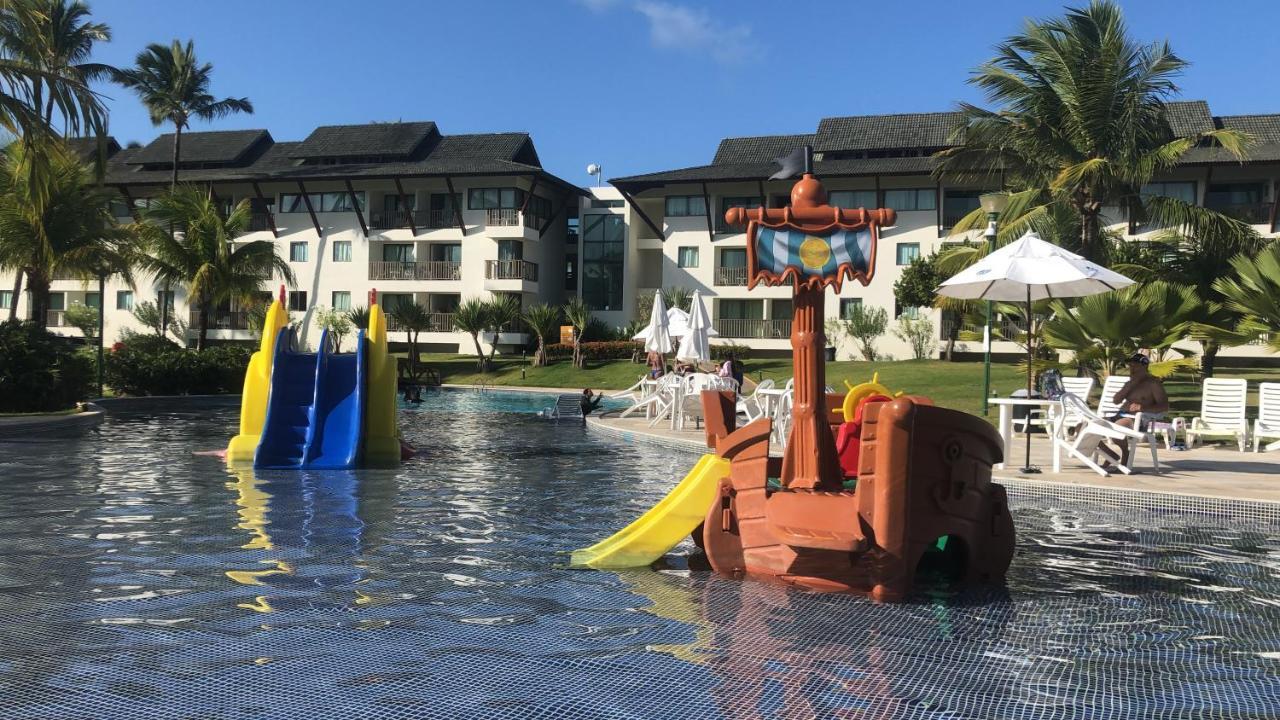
<point>663,526</point>
<point>257,386</point>
<point>381,433</point>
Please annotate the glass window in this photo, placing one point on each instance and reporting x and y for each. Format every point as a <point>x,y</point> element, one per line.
<point>914,199</point>
<point>492,198</point>
<point>294,203</point>
<point>602,253</point>
<point>687,257</point>
<point>444,202</point>
<point>1184,191</point>
<point>741,310</point>
<point>958,203</point>
<point>597,203</point>
<point>847,305</point>
<point>338,201</point>
<point>908,252</point>
<point>742,202</point>
<point>441,252</point>
<point>6,299</point>
<point>124,300</point>
<point>342,251</point>
<point>398,252</point>
<point>120,209</point>
<point>908,312</point>
<point>1226,194</point>
<point>733,257</point>
<point>685,206</point>
<point>57,301</point>
<point>298,252</point>
<point>93,300</point>
<point>510,250</point>
<point>852,199</point>
<point>341,300</point>
<point>298,300</point>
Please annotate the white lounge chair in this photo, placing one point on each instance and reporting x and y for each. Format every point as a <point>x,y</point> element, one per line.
<point>1078,386</point>
<point>1107,406</point>
<point>659,401</point>
<point>689,404</point>
<point>1268,423</point>
<point>1092,431</point>
<point>752,405</point>
<point>636,392</point>
<point>1222,409</point>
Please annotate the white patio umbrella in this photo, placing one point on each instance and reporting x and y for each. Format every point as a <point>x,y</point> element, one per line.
<point>695,346</point>
<point>1026,270</point>
<point>677,326</point>
<point>657,334</point>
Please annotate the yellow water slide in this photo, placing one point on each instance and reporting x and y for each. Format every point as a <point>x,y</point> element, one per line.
<point>257,386</point>
<point>663,526</point>
<point>381,436</point>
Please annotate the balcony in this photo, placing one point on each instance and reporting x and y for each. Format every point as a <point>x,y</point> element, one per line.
<point>436,322</point>
<point>437,219</point>
<point>432,270</point>
<point>754,329</point>
<point>511,270</point>
<point>221,320</point>
<point>388,221</point>
<point>55,318</point>
<point>731,276</point>
<point>1253,213</point>
<point>259,222</point>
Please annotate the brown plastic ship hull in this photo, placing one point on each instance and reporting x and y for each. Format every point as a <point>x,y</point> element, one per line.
<point>924,474</point>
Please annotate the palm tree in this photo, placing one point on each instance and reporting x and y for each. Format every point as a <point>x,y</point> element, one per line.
<point>359,317</point>
<point>62,226</point>
<point>174,87</point>
<point>204,255</point>
<point>1082,126</point>
<point>543,321</point>
<point>504,312</point>
<point>1254,292</point>
<point>578,313</point>
<point>413,318</point>
<point>472,317</point>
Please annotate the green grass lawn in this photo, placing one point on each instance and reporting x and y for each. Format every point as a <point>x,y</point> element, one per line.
<point>950,384</point>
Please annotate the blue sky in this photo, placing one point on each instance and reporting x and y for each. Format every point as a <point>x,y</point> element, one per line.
<point>636,85</point>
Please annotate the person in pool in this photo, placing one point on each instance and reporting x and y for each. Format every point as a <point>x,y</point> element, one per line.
<point>590,401</point>
<point>1144,393</point>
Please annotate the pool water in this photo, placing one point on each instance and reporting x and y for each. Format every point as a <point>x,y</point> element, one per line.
<point>138,580</point>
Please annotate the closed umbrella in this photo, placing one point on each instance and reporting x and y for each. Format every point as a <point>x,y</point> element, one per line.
<point>656,335</point>
<point>1026,270</point>
<point>695,346</point>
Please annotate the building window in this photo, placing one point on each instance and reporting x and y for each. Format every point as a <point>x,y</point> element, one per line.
<point>6,299</point>
<point>597,203</point>
<point>907,312</point>
<point>446,252</point>
<point>847,305</point>
<point>93,300</point>
<point>1184,191</point>
<point>320,202</point>
<point>1242,201</point>
<point>297,252</point>
<point>124,300</point>
<point>687,257</point>
<point>298,300</point>
<point>958,203</point>
<point>733,257</point>
<point>444,202</point>
<point>852,199</point>
<point>342,251</point>
<point>908,252</point>
<point>57,301</point>
<point>686,206</point>
<point>741,309</point>
<point>495,198</point>
<point>341,300</point>
<point>398,252</point>
<point>913,199</point>
<point>603,239</point>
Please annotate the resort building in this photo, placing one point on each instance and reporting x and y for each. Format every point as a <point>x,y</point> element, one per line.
<point>676,234</point>
<point>398,207</point>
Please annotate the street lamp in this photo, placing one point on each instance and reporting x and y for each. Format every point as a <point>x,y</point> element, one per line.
<point>993,204</point>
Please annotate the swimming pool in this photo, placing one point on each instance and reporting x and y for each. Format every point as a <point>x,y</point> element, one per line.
<point>138,580</point>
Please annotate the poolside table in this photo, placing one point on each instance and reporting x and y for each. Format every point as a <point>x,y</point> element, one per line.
<point>1005,425</point>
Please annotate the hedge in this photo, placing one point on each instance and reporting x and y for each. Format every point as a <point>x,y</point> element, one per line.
<point>627,349</point>
<point>40,371</point>
<point>152,365</point>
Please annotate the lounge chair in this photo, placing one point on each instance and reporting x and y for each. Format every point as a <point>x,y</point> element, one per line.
<point>658,402</point>
<point>752,405</point>
<point>1268,423</point>
<point>1106,404</point>
<point>1092,431</point>
<point>1222,409</point>
<point>1078,386</point>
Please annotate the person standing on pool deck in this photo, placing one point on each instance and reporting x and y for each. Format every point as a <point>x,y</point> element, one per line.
<point>1144,393</point>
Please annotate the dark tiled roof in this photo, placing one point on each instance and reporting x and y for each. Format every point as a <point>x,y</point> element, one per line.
<point>759,149</point>
<point>1189,117</point>
<point>223,146</point>
<point>760,171</point>
<point>500,146</point>
<point>884,132</point>
<point>1263,128</point>
<point>87,147</point>
<point>388,139</point>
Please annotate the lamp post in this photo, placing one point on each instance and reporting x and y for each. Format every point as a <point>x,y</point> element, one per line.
<point>993,204</point>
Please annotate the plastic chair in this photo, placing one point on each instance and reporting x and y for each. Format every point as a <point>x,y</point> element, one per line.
<point>751,405</point>
<point>1268,423</point>
<point>1092,432</point>
<point>1222,412</point>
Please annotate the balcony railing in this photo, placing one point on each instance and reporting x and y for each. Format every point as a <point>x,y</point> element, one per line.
<point>1252,213</point>
<point>222,320</point>
<point>1000,328</point>
<point>511,270</point>
<point>436,219</point>
<point>259,222</point>
<point>501,216</point>
<point>55,318</point>
<point>731,276</point>
<point>436,322</point>
<point>388,221</point>
<point>759,329</point>
<point>432,270</point>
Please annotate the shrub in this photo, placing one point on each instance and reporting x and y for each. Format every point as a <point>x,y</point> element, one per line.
<point>39,371</point>
<point>918,333</point>
<point>151,365</point>
<point>721,352</point>
<point>611,350</point>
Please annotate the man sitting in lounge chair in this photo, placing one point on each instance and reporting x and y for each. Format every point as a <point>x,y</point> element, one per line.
<point>1144,393</point>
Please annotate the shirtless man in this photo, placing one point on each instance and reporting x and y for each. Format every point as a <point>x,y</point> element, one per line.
<point>1144,393</point>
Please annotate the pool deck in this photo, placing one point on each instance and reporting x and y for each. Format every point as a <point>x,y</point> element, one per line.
<point>1218,471</point>
<point>40,427</point>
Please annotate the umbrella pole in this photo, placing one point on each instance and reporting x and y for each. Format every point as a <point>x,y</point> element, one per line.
<point>1026,464</point>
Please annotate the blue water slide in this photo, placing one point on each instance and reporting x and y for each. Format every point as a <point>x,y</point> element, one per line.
<point>337,428</point>
<point>290,407</point>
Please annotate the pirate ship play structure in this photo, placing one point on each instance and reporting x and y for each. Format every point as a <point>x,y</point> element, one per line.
<point>915,481</point>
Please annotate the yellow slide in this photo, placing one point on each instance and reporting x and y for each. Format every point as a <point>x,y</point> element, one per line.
<point>381,433</point>
<point>257,386</point>
<point>663,526</point>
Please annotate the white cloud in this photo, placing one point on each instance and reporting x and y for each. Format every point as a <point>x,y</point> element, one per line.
<point>679,27</point>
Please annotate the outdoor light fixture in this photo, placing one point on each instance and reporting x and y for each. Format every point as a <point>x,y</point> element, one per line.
<point>993,203</point>
<point>594,169</point>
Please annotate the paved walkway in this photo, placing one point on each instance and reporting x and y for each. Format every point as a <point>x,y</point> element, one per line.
<point>1213,471</point>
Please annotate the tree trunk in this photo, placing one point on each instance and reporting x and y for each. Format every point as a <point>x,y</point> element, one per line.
<point>952,336</point>
<point>17,293</point>
<point>1209,358</point>
<point>540,355</point>
<point>164,311</point>
<point>204,325</point>
<point>475,338</point>
<point>1090,236</point>
<point>578,361</point>
<point>177,149</point>
<point>413,355</point>
<point>38,289</point>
